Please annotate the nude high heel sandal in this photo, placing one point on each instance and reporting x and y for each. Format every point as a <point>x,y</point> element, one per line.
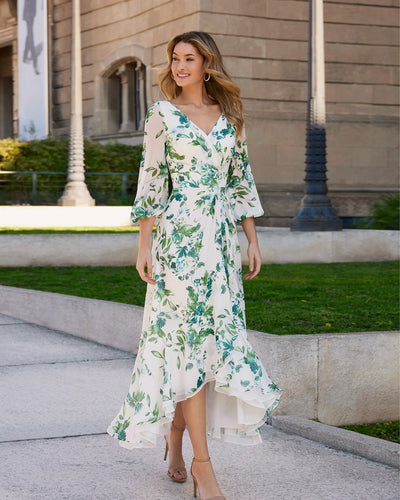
<point>195,487</point>
<point>176,470</point>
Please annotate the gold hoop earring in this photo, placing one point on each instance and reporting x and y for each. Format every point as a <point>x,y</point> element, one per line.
<point>207,79</point>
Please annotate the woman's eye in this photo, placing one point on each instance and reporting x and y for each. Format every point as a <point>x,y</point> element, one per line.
<point>189,59</point>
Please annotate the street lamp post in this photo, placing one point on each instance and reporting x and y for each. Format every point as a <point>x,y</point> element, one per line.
<point>316,212</point>
<point>76,192</point>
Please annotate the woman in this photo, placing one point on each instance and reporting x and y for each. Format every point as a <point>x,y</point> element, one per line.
<point>195,367</point>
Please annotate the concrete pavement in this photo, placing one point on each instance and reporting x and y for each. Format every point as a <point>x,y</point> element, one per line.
<point>59,393</point>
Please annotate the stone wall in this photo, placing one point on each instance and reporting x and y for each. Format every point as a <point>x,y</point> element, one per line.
<point>265,48</point>
<point>107,27</point>
<point>264,44</point>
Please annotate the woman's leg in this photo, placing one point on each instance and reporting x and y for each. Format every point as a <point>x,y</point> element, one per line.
<point>194,411</point>
<point>174,439</point>
<point>179,419</point>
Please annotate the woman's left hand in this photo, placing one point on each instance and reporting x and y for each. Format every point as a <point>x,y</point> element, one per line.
<point>254,255</point>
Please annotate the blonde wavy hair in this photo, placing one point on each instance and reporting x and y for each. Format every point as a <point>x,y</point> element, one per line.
<point>220,86</point>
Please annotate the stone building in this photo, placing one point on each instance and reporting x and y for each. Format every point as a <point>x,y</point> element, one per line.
<point>264,44</point>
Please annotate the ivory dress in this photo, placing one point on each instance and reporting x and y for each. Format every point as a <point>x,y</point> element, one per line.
<point>194,327</point>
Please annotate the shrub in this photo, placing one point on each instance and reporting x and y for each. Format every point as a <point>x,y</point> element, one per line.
<point>385,215</point>
<point>385,212</point>
<point>51,155</point>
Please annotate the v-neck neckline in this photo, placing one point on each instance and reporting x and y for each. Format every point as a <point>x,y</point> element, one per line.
<point>192,122</point>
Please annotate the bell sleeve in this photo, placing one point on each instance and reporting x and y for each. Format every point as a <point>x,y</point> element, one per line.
<point>241,188</point>
<point>152,190</point>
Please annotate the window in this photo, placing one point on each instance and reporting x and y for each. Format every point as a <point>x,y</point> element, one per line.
<point>120,100</point>
<point>121,95</point>
<point>126,98</point>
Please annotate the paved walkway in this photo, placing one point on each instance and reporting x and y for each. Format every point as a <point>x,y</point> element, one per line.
<point>58,394</point>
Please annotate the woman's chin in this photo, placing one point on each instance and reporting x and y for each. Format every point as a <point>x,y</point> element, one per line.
<point>181,83</point>
<point>188,84</point>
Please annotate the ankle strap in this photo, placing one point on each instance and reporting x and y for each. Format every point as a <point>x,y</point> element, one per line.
<point>177,428</point>
<point>201,459</point>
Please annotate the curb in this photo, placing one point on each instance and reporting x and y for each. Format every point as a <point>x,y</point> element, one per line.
<point>109,323</point>
<point>371,448</point>
<point>277,246</point>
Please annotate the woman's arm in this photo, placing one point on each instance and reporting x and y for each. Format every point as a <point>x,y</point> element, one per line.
<point>152,191</point>
<point>144,253</point>
<point>253,250</point>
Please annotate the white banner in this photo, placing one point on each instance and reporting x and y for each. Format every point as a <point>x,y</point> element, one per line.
<point>32,69</point>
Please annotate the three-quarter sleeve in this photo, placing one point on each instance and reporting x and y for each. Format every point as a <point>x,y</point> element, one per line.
<point>241,188</point>
<point>152,190</point>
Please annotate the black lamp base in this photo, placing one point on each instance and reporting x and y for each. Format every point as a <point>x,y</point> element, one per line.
<point>316,218</point>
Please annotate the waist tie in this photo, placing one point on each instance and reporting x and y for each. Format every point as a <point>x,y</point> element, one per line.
<point>203,191</point>
<point>217,195</point>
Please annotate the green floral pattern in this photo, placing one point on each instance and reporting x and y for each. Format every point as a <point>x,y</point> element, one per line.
<point>194,325</point>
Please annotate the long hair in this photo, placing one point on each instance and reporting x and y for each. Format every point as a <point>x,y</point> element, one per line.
<point>220,87</point>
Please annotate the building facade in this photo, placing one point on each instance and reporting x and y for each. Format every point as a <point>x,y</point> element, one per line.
<point>264,44</point>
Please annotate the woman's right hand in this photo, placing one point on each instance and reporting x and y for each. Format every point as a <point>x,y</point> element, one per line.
<point>144,266</point>
<point>143,261</point>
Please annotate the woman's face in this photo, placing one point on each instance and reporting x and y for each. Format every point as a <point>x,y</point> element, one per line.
<point>187,65</point>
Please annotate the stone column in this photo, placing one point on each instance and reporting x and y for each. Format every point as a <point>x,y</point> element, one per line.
<point>125,73</point>
<point>142,97</point>
<point>316,212</point>
<point>76,192</point>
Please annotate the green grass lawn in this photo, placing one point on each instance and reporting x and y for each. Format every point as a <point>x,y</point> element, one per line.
<point>283,299</point>
<point>383,430</point>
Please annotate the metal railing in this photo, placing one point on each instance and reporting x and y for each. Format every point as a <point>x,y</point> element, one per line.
<point>32,184</point>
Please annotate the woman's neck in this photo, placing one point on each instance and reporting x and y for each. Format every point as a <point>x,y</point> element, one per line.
<point>195,95</point>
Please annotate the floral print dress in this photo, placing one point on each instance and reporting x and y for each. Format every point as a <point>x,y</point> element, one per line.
<point>194,327</point>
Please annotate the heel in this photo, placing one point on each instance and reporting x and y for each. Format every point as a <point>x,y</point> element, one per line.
<point>193,476</point>
<point>177,471</point>
<point>166,450</point>
<point>194,487</point>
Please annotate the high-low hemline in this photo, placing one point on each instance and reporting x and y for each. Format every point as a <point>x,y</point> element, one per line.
<point>244,434</point>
